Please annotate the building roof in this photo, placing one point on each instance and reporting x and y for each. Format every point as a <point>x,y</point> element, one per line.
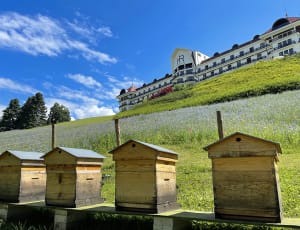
<point>276,144</point>
<point>131,88</point>
<point>155,147</point>
<point>79,153</point>
<point>282,22</point>
<point>25,155</point>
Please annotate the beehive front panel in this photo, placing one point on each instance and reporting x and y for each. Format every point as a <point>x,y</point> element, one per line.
<point>33,184</point>
<point>135,189</point>
<point>88,188</point>
<point>245,187</point>
<point>165,182</point>
<point>61,185</point>
<point>10,177</point>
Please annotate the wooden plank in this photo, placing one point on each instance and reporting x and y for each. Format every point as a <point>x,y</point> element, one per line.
<point>163,166</point>
<point>8,159</point>
<point>248,212</point>
<point>241,163</point>
<point>135,166</point>
<point>59,157</point>
<point>166,187</point>
<point>244,145</point>
<point>134,151</point>
<point>135,187</point>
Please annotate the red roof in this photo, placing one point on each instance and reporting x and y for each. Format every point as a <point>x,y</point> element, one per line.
<point>131,89</point>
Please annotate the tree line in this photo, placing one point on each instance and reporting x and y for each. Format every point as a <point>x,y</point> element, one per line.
<point>32,114</point>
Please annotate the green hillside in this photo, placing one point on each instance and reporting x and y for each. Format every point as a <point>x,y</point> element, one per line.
<point>258,79</point>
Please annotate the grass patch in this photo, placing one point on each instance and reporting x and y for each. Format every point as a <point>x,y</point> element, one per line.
<point>186,131</point>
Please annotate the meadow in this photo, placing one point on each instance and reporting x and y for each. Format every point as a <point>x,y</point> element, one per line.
<point>275,117</point>
<point>260,78</point>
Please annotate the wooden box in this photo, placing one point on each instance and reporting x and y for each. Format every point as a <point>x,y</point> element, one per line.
<point>73,177</point>
<point>22,176</point>
<point>245,178</point>
<point>145,177</point>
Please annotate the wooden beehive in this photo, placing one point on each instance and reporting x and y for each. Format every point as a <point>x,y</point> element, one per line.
<point>22,176</point>
<point>145,177</point>
<point>245,178</point>
<point>73,177</point>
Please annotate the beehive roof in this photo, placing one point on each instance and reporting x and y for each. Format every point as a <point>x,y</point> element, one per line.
<point>22,155</point>
<point>155,147</point>
<point>276,144</point>
<point>80,153</point>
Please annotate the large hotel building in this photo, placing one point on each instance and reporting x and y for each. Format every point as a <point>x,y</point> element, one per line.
<point>189,67</point>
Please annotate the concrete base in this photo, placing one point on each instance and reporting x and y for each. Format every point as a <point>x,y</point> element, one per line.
<point>165,223</point>
<point>67,219</point>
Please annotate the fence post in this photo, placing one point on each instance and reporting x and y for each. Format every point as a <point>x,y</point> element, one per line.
<point>220,125</point>
<point>118,135</point>
<point>53,135</point>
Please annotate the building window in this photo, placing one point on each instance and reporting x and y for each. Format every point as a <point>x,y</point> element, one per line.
<point>181,67</point>
<point>238,63</point>
<point>241,53</point>
<point>229,67</point>
<point>223,60</point>
<point>206,67</point>
<point>248,60</point>
<point>179,80</point>
<point>221,70</point>
<point>190,65</point>
<point>259,56</point>
<point>189,71</point>
<point>291,51</point>
<point>251,49</point>
<point>231,57</point>
<point>215,63</point>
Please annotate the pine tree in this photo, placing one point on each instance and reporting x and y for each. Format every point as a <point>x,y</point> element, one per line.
<point>10,116</point>
<point>59,113</point>
<point>33,112</point>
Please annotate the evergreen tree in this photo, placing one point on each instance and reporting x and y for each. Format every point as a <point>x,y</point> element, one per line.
<point>59,113</point>
<point>10,116</point>
<point>33,112</point>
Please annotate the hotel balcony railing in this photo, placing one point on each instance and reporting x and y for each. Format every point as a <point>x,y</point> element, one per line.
<point>232,60</point>
<point>284,45</point>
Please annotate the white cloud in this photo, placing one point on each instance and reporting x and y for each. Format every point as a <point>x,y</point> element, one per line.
<point>87,81</point>
<point>41,35</point>
<point>80,103</point>
<point>2,107</point>
<point>93,111</point>
<point>81,110</point>
<point>124,83</point>
<point>106,31</point>
<point>9,84</point>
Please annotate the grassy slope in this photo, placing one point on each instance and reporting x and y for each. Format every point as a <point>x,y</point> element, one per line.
<point>192,128</point>
<point>258,79</point>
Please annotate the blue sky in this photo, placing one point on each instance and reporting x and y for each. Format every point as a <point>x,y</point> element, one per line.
<point>82,53</point>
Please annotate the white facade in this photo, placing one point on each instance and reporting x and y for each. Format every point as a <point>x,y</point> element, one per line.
<point>189,67</point>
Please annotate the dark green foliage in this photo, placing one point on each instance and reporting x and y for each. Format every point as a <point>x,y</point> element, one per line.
<point>33,113</point>
<point>118,222</point>
<point>10,116</point>
<point>58,113</point>
<point>201,225</point>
